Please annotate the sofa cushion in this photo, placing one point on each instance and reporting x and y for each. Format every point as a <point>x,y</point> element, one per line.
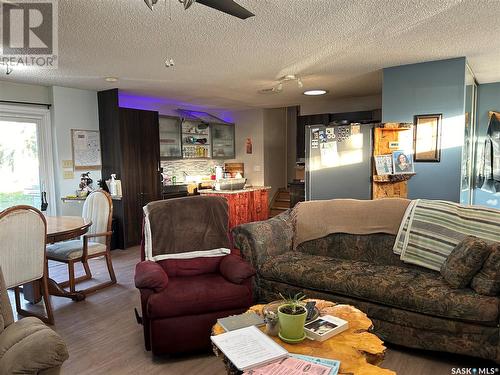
<point>28,346</point>
<point>487,281</point>
<point>465,260</point>
<point>192,295</point>
<point>190,267</point>
<point>415,290</point>
<point>73,249</point>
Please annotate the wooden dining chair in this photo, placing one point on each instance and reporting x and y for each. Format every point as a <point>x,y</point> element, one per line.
<point>23,234</point>
<point>98,208</point>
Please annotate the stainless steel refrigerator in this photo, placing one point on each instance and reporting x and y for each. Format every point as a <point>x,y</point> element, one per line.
<point>338,161</point>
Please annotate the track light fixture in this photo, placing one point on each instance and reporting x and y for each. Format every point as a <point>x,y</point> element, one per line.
<point>187,3</point>
<point>279,87</point>
<point>169,63</point>
<point>150,3</point>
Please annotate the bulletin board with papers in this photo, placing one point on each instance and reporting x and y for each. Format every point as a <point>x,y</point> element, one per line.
<point>86,149</point>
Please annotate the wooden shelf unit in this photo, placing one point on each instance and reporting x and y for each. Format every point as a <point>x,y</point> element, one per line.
<point>394,185</point>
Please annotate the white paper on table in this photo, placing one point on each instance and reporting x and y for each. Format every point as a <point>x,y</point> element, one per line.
<point>248,347</point>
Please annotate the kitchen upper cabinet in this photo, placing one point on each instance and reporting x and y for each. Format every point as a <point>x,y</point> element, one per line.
<point>205,136</point>
<point>196,140</point>
<point>170,137</point>
<point>130,147</point>
<point>223,141</point>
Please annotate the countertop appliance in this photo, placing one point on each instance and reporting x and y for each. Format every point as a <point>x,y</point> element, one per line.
<point>338,161</point>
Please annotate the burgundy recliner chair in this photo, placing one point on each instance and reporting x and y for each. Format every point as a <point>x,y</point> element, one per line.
<point>181,298</point>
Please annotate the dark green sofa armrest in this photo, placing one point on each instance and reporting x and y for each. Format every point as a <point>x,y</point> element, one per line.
<point>262,239</point>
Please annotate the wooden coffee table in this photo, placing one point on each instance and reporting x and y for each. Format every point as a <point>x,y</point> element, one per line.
<point>359,351</point>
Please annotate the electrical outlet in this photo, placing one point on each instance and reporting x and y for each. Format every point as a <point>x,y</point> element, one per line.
<point>68,175</point>
<point>257,168</point>
<point>67,164</point>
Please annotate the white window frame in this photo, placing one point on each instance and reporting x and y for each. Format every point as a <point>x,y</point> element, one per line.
<point>40,116</point>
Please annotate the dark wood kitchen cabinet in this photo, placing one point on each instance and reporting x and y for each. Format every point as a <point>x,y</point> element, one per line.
<point>302,122</point>
<point>130,148</point>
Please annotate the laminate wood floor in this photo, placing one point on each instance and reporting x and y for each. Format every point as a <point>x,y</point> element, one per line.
<point>104,338</point>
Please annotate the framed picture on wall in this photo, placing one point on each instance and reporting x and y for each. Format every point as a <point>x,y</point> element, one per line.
<point>427,138</point>
<point>383,164</point>
<point>402,162</point>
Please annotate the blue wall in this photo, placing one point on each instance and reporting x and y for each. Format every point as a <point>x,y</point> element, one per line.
<point>488,100</point>
<point>428,88</point>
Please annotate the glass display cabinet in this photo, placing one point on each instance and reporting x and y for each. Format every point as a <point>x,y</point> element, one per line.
<point>223,141</point>
<point>205,136</point>
<point>170,137</point>
<point>196,140</point>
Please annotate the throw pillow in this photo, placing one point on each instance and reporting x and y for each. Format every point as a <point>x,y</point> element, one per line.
<point>465,260</point>
<point>487,281</point>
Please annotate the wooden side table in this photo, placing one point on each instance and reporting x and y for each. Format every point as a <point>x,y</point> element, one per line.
<point>359,351</point>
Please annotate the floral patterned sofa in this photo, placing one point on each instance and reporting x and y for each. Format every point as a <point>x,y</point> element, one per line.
<point>408,305</point>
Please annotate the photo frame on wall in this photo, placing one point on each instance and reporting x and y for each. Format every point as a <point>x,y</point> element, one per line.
<point>427,138</point>
<point>383,164</point>
<point>402,162</point>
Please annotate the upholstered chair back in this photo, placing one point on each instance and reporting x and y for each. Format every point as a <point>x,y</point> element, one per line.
<point>6,315</point>
<point>23,232</point>
<point>98,208</point>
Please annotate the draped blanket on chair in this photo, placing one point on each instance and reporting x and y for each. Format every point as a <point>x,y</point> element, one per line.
<point>431,229</point>
<point>174,229</point>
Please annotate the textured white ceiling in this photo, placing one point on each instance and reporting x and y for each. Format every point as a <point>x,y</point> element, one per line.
<point>222,62</point>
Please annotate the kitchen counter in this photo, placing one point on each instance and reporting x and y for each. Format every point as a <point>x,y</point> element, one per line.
<point>82,199</point>
<point>245,205</point>
<point>245,190</point>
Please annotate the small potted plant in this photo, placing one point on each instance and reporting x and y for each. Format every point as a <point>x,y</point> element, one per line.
<point>292,317</point>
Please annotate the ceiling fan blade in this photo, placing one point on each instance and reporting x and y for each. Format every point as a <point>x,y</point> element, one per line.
<point>150,3</point>
<point>229,7</point>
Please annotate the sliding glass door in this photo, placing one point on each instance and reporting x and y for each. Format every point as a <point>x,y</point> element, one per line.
<point>26,163</point>
<point>19,164</point>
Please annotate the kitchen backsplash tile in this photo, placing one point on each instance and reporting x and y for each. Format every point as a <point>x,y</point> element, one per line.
<point>177,168</point>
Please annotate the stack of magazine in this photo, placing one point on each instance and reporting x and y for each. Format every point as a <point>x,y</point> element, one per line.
<point>255,353</point>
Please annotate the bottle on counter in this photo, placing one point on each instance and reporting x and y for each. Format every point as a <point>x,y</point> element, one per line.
<point>219,172</point>
<point>112,186</point>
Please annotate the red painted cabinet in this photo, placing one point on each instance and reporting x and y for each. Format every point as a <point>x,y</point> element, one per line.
<point>246,206</point>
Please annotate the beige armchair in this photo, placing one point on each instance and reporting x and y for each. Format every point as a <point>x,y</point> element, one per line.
<point>98,208</point>
<point>27,346</point>
<point>23,232</point>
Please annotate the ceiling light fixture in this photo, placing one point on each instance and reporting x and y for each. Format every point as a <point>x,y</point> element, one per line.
<point>315,92</point>
<point>169,63</point>
<point>279,87</point>
<point>111,79</point>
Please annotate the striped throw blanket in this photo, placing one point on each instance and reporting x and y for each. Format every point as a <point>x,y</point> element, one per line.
<point>431,229</point>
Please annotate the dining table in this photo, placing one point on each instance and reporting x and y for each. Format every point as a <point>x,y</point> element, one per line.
<point>59,228</point>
